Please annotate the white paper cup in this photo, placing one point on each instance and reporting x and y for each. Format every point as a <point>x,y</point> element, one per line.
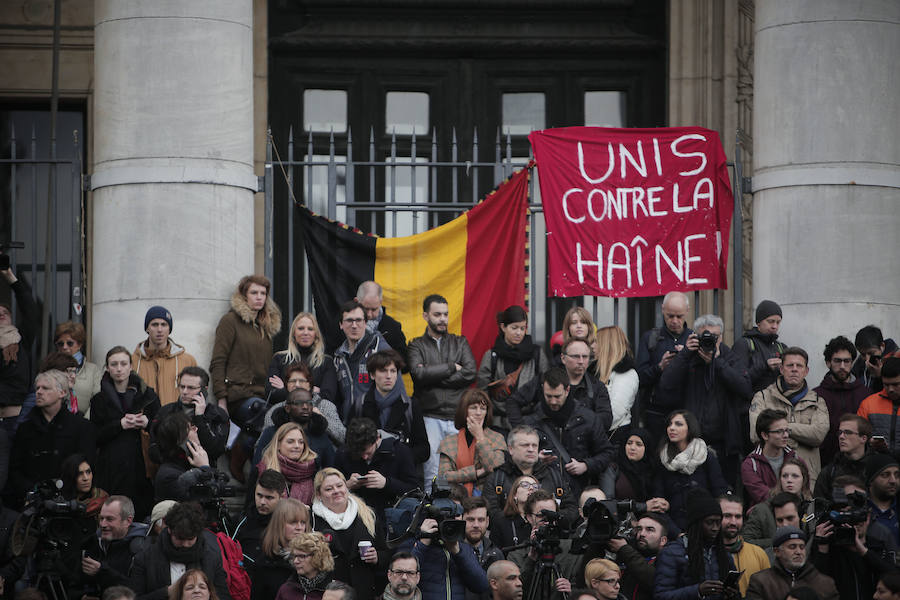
<point>364,547</point>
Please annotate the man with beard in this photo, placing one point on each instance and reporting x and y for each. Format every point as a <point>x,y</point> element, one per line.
<point>881,408</point>
<point>854,433</point>
<point>790,570</point>
<point>505,581</point>
<point>403,578</point>
<point>475,514</point>
<point>249,530</point>
<point>748,558</point>
<point>299,408</point>
<point>856,565</point>
<point>183,545</point>
<point>883,476</point>
<point>697,563</point>
<point>442,367</point>
<point>640,559</point>
<point>843,392</point>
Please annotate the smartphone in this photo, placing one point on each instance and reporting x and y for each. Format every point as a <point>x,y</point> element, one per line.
<point>732,578</point>
<point>546,452</point>
<point>878,438</point>
<point>187,451</point>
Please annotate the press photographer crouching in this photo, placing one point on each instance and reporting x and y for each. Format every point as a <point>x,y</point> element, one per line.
<point>849,546</point>
<point>548,567</point>
<point>638,555</point>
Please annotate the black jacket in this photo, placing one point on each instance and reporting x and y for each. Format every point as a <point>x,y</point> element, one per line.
<point>323,377</point>
<point>212,428</point>
<point>718,393</point>
<point>150,575</point>
<point>405,419</point>
<point>11,567</point>
<point>41,446</point>
<point>393,334</point>
<point>753,353</point>
<point>855,576</point>
<point>15,376</point>
<point>368,580</point>
<point>841,465</point>
<point>268,574</point>
<point>590,393</point>
<point>638,575</point>
<point>116,557</point>
<point>498,484</point>
<point>120,467</point>
<point>583,438</point>
<point>393,460</point>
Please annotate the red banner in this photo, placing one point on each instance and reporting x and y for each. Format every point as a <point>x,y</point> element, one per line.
<point>634,212</point>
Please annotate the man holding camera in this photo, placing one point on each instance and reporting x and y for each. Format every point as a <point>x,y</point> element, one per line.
<point>707,379</point>
<point>446,565</point>
<point>107,558</point>
<point>547,542</point>
<point>790,570</point>
<point>807,413</point>
<point>210,420</point>
<point>851,548</point>
<point>158,358</point>
<point>639,559</point>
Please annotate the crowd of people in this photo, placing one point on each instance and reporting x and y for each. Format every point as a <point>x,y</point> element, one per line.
<point>582,470</point>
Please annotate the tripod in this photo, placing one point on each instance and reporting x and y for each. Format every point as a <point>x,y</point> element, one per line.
<point>545,575</point>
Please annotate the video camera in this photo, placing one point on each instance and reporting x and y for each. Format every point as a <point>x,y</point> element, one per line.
<point>406,517</point>
<point>844,513</point>
<point>210,485</point>
<point>607,519</point>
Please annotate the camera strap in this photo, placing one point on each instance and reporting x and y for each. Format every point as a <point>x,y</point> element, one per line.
<point>563,455</point>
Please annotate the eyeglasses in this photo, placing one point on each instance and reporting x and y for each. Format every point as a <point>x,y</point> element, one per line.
<point>66,343</point>
<point>354,321</point>
<point>403,573</point>
<point>847,432</point>
<point>842,361</point>
<point>784,431</point>
<point>529,486</point>
<point>611,581</point>
<point>300,556</point>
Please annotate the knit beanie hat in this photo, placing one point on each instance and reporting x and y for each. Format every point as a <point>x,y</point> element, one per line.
<point>158,312</point>
<point>766,309</point>
<point>783,534</point>
<point>876,463</point>
<point>701,505</point>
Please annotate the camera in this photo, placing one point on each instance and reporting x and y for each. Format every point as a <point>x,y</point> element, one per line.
<point>210,485</point>
<point>707,341</point>
<point>4,257</point>
<point>547,537</point>
<point>406,517</point>
<point>844,514</point>
<point>607,519</point>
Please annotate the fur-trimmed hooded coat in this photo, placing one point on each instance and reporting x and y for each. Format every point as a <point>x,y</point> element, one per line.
<point>242,351</point>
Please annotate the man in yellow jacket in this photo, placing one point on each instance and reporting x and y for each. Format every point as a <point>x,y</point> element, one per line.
<point>158,359</point>
<point>748,558</point>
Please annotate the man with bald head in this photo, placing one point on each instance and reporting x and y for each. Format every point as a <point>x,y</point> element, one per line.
<point>370,295</point>
<point>656,350</point>
<point>505,580</point>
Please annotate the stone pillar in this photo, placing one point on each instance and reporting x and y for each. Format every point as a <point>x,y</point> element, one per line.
<point>172,177</point>
<point>826,217</point>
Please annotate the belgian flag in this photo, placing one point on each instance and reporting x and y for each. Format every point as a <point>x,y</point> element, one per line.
<point>477,261</point>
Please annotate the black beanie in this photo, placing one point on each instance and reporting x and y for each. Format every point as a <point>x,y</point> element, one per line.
<point>158,312</point>
<point>766,309</point>
<point>876,463</point>
<point>701,505</point>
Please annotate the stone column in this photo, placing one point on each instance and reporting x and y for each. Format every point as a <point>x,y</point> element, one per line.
<point>826,216</point>
<point>172,177</point>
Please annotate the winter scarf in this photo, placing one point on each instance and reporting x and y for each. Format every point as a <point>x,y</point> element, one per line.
<point>517,354</point>
<point>315,583</point>
<point>639,473</point>
<point>687,460</point>
<point>337,521</point>
<point>185,556</point>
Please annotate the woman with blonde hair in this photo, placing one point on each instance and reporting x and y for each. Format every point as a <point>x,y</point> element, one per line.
<point>289,454</point>
<point>605,578</point>
<point>305,345</point>
<point>346,520</point>
<point>510,528</point>
<point>614,367</point>
<point>273,567</point>
<point>313,565</point>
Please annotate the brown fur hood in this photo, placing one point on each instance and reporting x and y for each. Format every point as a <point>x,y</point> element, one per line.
<point>268,320</point>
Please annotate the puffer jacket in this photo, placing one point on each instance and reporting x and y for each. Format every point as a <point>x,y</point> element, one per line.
<point>242,351</point>
<point>438,385</point>
<point>758,476</point>
<point>160,369</point>
<point>753,353</point>
<point>840,398</point>
<point>437,565</point>
<point>674,582</point>
<point>776,582</point>
<point>808,420</point>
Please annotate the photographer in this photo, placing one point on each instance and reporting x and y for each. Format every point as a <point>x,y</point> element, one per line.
<point>108,557</point>
<point>183,458</point>
<point>546,550</point>
<point>707,379</point>
<point>210,420</point>
<point>639,556</point>
<point>447,566</point>
<point>849,546</point>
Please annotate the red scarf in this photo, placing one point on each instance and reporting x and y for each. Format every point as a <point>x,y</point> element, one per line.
<point>465,456</point>
<point>299,476</point>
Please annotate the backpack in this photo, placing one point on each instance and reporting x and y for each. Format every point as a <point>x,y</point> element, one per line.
<point>232,555</point>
